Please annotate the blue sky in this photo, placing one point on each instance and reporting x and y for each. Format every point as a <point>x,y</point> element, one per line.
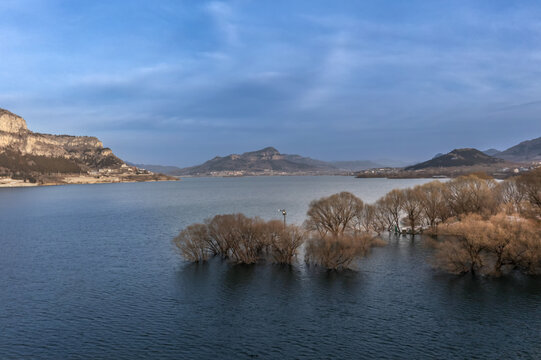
<point>178,82</point>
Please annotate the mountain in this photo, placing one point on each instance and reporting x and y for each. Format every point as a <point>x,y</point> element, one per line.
<point>267,161</point>
<point>457,157</point>
<point>491,152</point>
<point>526,151</point>
<point>30,157</point>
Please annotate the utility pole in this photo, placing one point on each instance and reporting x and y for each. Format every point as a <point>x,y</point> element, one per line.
<point>284,212</point>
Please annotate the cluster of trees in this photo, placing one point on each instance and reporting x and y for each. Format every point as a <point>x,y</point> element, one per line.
<point>334,236</point>
<point>485,226</point>
<point>490,246</point>
<point>338,235</point>
<point>425,206</point>
<point>240,239</point>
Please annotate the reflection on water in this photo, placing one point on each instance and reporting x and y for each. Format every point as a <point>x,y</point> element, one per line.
<point>90,272</point>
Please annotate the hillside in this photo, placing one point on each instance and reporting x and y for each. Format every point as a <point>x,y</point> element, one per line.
<point>30,157</point>
<point>456,158</point>
<point>267,161</point>
<point>526,151</point>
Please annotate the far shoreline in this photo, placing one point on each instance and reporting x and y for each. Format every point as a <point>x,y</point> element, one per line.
<point>18,184</point>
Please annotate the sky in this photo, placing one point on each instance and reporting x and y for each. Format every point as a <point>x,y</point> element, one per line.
<point>178,82</point>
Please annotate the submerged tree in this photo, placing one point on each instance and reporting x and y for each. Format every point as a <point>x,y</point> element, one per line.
<point>390,208</point>
<point>472,194</point>
<point>285,242</point>
<point>433,197</point>
<point>338,232</point>
<point>413,207</point>
<point>476,245</point>
<point>333,215</point>
<point>529,185</point>
<point>240,239</point>
<point>461,251</point>
<point>339,253</point>
<point>193,243</point>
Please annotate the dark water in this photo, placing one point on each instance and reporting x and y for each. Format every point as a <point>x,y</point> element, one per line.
<point>89,272</point>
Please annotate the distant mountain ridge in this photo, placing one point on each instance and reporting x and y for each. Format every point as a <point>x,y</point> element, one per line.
<point>526,151</point>
<point>267,161</point>
<point>456,158</point>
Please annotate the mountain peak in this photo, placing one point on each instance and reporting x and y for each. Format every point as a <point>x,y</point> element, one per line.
<point>269,150</point>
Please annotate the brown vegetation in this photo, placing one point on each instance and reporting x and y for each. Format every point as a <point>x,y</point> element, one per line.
<point>472,194</point>
<point>333,215</point>
<point>502,242</point>
<point>340,231</point>
<point>339,252</point>
<point>240,239</point>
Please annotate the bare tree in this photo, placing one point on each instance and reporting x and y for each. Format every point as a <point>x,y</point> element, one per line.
<point>433,198</point>
<point>285,242</point>
<point>510,196</point>
<point>338,237</point>
<point>368,220</point>
<point>472,195</point>
<point>338,253</point>
<point>193,242</point>
<point>524,249</point>
<point>487,246</point>
<point>333,215</point>
<point>390,208</point>
<point>412,206</point>
<point>529,184</point>
<point>462,251</point>
<point>221,232</point>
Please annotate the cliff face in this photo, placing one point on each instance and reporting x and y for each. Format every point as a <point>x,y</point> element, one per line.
<point>87,152</point>
<point>29,158</point>
<point>11,123</point>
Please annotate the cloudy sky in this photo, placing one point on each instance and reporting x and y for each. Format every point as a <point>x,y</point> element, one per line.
<point>178,82</point>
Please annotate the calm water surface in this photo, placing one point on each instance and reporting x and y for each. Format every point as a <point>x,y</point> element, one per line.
<point>89,272</point>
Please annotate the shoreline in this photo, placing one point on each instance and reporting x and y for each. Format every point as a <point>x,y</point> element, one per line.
<point>21,184</point>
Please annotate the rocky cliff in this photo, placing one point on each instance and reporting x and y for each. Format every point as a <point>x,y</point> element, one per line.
<point>36,157</point>
<point>88,152</point>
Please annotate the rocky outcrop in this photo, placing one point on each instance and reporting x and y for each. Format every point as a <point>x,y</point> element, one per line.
<point>45,158</point>
<point>88,152</point>
<point>11,123</point>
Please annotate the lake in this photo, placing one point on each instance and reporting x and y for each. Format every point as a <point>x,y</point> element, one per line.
<point>89,271</point>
